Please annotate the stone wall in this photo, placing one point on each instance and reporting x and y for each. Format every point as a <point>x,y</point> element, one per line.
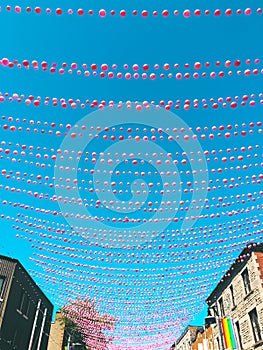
<point>204,336</point>
<point>243,303</point>
<point>56,334</point>
<point>184,342</point>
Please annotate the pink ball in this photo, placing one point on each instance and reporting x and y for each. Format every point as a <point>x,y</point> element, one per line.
<point>5,61</point>
<point>228,12</point>
<point>102,13</point>
<point>178,76</point>
<point>197,65</point>
<point>248,11</point>
<point>104,67</point>
<point>58,11</point>
<point>186,13</point>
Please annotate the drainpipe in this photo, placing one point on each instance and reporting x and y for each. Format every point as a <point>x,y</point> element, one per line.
<point>34,325</point>
<point>42,328</point>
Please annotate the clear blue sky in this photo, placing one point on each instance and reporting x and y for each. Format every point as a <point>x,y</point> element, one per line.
<point>134,40</point>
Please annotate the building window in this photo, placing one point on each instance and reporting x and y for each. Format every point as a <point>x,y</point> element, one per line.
<point>238,334</point>
<point>24,304</point>
<point>2,280</point>
<point>232,296</point>
<point>14,339</point>
<point>246,281</point>
<point>255,325</point>
<point>221,307</point>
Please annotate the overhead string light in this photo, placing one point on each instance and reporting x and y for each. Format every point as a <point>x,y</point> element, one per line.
<point>12,124</point>
<point>216,234</point>
<point>214,102</point>
<point>144,71</point>
<point>102,13</point>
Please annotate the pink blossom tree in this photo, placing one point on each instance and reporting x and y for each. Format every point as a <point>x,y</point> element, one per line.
<point>90,324</point>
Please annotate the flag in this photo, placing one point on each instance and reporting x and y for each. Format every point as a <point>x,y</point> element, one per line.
<point>228,333</point>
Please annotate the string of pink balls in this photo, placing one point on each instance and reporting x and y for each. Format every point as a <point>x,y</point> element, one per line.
<point>143,13</point>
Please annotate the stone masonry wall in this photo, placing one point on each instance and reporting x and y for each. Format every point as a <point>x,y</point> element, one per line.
<point>244,303</point>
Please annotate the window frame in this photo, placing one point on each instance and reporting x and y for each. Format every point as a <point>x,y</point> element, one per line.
<point>255,325</point>
<point>232,295</point>
<point>24,304</point>
<point>221,306</point>
<point>2,279</point>
<point>246,281</point>
<point>239,339</point>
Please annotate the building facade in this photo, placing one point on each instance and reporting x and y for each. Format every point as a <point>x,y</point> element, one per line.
<point>204,339</point>
<point>65,335</point>
<point>57,331</point>
<point>239,296</point>
<point>184,342</point>
<point>25,312</point>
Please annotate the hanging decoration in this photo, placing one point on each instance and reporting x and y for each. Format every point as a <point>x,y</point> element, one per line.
<point>102,13</point>
<point>131,215</point>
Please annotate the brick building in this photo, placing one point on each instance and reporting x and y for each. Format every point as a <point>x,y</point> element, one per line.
<point>185,340</point>
<point>25,312</point>
<point>63,335</point>
<point>57,331</point>
<point>239,295</point>
<point>204,339</point>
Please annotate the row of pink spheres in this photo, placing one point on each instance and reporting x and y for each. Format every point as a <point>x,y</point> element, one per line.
<point>144,13</point>
<point>104,67</point>
<point>153,76</point>
<point>102,104</point>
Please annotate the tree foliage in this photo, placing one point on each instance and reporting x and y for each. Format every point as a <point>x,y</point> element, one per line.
<point>83,320</point>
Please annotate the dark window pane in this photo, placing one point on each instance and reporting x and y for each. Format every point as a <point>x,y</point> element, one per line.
<point>221,307</point>
<point>2,280</point>
<point>238,335</point>
<point>246,281</point>
<point>255,325</point>
<point>21,302</point>
<point>232,295</point>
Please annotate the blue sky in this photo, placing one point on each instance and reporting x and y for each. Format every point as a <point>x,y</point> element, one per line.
<point>134,40</point>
